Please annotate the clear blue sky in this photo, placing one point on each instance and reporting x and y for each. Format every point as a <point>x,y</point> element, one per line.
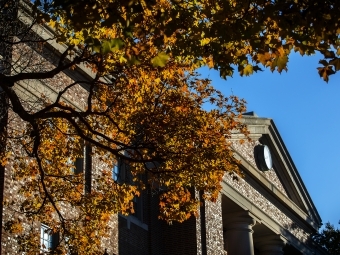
<point>306,111</point>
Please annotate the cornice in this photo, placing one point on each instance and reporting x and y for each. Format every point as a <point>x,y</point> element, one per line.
<point>266,188</point>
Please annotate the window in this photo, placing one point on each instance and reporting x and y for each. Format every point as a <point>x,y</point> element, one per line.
<point>119,171</point>
<point>83,165</point>
<point>79,166</point>
<point>138,207</point>
<point>115,172</point>
<point>88,168</point>
<point>80,162</point>
<point>48,240</point>
<point>45,238</point>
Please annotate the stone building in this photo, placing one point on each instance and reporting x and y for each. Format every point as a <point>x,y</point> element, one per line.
<point>268,212</point>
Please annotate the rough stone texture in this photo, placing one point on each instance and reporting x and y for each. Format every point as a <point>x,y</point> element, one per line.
<point>11,194</point>
<point>259,200</point>
<point>130,238</point>
<point>272,176</point>
<point>9,244</point>
<point>209,228</point>
<point>111,243</point>
<point>247,151</point>
<point>214,227</point>
<point>199,227</point>
<point>33,94</point>
<point>47,88</point>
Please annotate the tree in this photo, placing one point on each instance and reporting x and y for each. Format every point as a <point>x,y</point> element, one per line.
<point>220,34</point>
<point>149,117</point>
<point>329,238</point>
<point>140,102</point>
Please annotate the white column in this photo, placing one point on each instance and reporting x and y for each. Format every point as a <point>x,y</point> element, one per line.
<point>270,245</point>
<point>238,236</point>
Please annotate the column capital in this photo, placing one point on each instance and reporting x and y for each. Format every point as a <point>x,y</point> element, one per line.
<point>238,219</point>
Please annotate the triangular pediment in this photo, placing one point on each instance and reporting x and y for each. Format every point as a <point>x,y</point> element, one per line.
<point>246,149</point>
<point>282,181</point>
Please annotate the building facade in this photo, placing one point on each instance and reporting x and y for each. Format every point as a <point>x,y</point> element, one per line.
<point>267,212</point>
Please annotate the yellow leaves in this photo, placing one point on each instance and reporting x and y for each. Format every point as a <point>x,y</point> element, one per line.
<point>6,158</point>
<point>151,115</point>
<point>205,41</point>
<point>14,226</point>
<point>105,217</point>
<point>177,205</point>
<point>151,111</point>
<point>276,60</point>
<point>263,58</point>
<point>154,24</point>
<point>247,70</point>
<point>139,99</point>
<point>209,62</point>
<point>52,23</point>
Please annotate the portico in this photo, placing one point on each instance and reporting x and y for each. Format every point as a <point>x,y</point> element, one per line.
<point>246,234</point>
<point>268,211</point>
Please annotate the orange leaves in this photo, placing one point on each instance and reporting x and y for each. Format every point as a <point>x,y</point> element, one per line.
<point>177,205</point>
<point>200,31</point>
<point>14,226</point>
<point>151,119</point>
<point>276,59</point>
<point>146,107</point>
<point>149,116</point>
<point>327,68</point>
<point>5,158</point>
<point>325,71</point>
<point>264,58</point>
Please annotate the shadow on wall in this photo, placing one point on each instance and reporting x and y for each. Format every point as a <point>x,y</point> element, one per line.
<point>304,238</point>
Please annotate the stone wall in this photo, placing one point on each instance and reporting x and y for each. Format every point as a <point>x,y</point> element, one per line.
<point>247,151</point>
<point>266,206</point>
<point>34,93</point>
<point>214,227</point>
<point>12,198</point>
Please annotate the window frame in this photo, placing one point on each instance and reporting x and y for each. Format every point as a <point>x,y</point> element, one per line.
<point>48,239</point>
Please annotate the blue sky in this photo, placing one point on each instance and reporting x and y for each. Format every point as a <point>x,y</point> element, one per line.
<point>306,111</point>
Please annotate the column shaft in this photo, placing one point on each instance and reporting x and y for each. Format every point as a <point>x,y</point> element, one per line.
<point>238,238</point>
<point>270,245</point>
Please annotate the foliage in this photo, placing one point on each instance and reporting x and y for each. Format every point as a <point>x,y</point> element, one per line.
<point>220,34</point>
<point>148,116</point>
<point>329,238</point>
<point>140,102</point>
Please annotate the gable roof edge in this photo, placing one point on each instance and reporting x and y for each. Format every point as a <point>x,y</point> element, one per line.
<point>276,137</point>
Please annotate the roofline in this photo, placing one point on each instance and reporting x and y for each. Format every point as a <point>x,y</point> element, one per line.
<point>295,171</point>
<point>258,127</point>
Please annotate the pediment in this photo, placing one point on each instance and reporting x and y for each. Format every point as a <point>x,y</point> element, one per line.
<point>246,150</point>
<point>283,180</point>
